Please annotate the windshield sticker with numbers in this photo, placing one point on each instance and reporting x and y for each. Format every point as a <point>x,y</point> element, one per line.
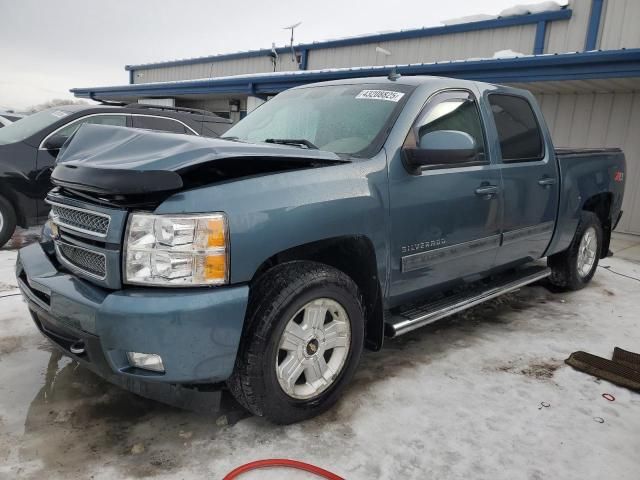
<point>59,114</point>
<point>386,95</point>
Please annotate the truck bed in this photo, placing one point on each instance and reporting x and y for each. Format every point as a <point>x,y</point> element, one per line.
<point>581,152</point>
<point>597,174</point>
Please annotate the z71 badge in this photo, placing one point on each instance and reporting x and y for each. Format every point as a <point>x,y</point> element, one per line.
<point>416,247</point>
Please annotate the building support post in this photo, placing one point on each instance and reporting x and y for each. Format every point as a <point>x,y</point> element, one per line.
<point>253,103</point>
<point>541,32</point>
<point>593,28</point>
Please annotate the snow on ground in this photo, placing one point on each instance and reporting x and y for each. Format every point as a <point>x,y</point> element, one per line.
<point>459,399</point>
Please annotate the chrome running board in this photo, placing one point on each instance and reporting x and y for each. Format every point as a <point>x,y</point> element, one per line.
<point>418,315</point>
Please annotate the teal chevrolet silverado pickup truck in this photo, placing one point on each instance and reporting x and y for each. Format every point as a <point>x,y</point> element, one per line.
<point>335,215</point>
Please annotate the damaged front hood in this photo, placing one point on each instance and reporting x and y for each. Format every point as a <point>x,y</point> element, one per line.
<point>109,160</point>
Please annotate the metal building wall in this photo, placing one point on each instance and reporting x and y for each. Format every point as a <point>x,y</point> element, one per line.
<point>584,120</point>
<point>237,66</point>
<point>619,25</point>
<point>457,46</point>
<point>569,36</point>
<point>561,36</point>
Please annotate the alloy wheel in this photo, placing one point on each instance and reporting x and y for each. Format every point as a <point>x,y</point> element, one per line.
<point>313,348</point>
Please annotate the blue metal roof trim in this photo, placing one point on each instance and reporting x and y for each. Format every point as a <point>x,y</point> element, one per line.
<point>594,24</point>
<point>568,66</point>
<point>502,22</point>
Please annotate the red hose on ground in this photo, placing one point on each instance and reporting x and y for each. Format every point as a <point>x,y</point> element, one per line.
<point>284,463</point>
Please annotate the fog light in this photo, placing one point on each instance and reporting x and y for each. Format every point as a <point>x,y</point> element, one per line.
<point>148,361</point>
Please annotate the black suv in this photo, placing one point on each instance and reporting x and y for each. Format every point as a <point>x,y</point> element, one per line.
<point>28,149</point>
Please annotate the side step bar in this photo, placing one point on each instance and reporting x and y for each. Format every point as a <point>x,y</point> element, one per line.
<point>417,315</point>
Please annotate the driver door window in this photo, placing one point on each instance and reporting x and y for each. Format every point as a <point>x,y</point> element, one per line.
<point>450,111</point>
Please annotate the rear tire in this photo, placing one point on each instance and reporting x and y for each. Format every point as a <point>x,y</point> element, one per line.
<point>574,268</point>
<point>7,221</point>
<point>303,337</point>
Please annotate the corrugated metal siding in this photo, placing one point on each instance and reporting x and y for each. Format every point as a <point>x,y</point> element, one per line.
<point>586,120</point>
<point>458,46</point>
<point>619,25</point>
<point>223,68</point>
<point>569,36</point>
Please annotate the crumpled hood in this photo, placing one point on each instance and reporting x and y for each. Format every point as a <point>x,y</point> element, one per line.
<point>119,160</point>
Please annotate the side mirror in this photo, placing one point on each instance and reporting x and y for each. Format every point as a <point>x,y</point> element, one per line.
<point>441,148</point>
<point>55,142</point>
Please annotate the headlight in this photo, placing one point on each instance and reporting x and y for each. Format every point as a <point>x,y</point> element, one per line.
<point>176,250</point>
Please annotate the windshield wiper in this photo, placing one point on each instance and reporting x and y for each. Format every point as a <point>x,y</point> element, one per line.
<point>300,142</point>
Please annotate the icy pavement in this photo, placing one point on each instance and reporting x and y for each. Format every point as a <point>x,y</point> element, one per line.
<point>459,399</point>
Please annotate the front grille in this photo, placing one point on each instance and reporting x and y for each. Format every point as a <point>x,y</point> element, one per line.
<point>81,220</point>
<point>91,262</point>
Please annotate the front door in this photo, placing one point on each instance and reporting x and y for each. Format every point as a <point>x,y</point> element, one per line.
<point>530,179</point>
<point>445,221</point>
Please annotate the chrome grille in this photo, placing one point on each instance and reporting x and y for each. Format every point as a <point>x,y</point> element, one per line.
<point>90,262</point>
<point>80,220</point>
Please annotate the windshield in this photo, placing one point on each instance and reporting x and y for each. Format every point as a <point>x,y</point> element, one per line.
<point>347,119</point>
<point>27,126</point>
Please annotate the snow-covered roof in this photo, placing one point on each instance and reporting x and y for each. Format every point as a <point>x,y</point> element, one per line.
<point>525,9</point>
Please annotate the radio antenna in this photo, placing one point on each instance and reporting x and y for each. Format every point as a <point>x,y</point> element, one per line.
<point>292,28</point>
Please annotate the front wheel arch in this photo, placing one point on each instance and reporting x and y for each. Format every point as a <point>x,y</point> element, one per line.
<point>353,255</point>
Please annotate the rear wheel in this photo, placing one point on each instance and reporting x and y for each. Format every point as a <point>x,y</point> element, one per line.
<point>574,268</point>
<point>302,342</point>
<point>7,221</point>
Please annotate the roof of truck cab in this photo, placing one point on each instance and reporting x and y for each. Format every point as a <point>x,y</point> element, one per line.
<point>409,80</point>
<point>412,80</point>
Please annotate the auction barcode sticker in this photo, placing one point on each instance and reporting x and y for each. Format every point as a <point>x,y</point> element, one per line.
<point>386,95</point>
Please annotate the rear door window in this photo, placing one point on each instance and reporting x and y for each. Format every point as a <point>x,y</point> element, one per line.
<point>160,124</point>
<point>518,130</point>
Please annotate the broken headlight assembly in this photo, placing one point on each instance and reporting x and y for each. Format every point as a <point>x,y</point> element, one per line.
<point>176,250</point>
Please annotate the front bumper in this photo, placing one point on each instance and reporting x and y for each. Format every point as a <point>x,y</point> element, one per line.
<point>195,331</point>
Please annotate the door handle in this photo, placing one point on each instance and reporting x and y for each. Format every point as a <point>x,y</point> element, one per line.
<point>486,191</point>
<point>546,182</point>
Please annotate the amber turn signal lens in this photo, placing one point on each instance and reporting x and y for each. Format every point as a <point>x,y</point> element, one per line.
<point>215,267</point>
<point>215,233</point>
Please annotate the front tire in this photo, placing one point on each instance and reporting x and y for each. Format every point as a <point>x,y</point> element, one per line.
<point>7,221</point>
<point>574,268</point>
<point>303,339</point>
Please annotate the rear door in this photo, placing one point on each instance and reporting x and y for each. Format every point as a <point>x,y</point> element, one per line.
<point>530,178</point>
<point>445,226</point>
